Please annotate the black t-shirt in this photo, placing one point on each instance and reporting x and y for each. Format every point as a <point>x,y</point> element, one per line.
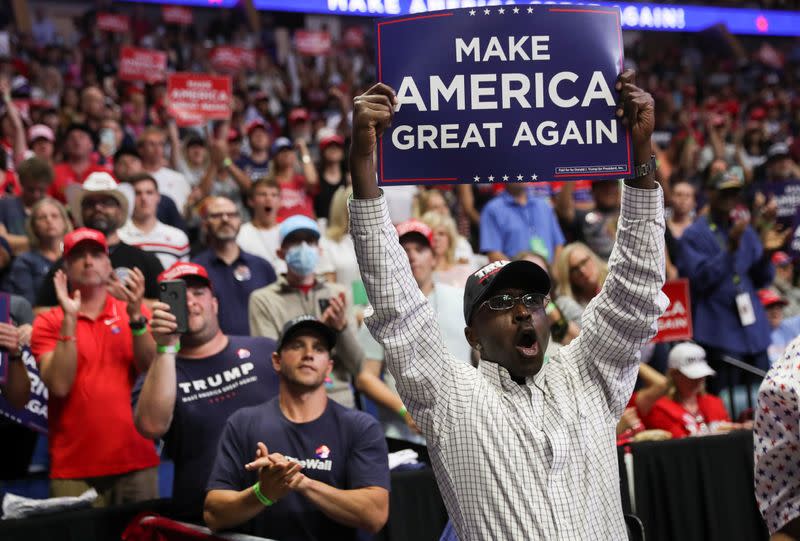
<point>121,255</point>
<point>323,198</point>
<point>209,391</point>
<point>343,448</point>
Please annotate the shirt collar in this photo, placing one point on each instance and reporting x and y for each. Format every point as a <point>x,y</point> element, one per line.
<point>501,379</point>
<point>285,287</point>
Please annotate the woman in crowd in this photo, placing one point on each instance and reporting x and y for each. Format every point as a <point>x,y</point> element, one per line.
<point>337,245</point>
<point>580,273</point>
<point>434,201</point>
<point>46,227</point>
<point>687,409</point>
<point>297,189</point>
<point>449,269</point>
<point>332,173</point>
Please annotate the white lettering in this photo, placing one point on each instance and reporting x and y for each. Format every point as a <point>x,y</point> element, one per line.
<point>553,89</point>
<point>409,93</point>
<point>477,91</point>
<point>438,88</point>
<point>518,94</point>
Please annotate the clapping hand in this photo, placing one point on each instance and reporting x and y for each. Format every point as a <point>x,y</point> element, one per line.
<point>70,305</point>
<point>276,474</point>
<point>335,315</point>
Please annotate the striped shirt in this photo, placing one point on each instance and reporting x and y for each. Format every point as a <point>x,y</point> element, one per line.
<point>533,461</point>
<point>168,243</point>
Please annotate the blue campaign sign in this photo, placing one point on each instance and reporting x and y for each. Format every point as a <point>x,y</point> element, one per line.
<point>34,414</point>
<point>503,94</point>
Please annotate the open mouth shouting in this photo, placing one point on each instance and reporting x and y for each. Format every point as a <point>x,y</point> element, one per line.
<point>527,343</point>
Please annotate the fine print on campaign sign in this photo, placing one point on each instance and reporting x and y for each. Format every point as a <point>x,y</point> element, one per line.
<point>503,94</point>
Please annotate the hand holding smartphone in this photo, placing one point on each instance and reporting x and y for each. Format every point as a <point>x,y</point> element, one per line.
<point>173,293</point>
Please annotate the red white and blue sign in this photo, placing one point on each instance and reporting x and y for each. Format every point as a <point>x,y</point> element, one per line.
<point>503,94</point>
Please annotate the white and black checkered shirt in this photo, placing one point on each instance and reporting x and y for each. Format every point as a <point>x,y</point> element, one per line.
<point>534,461</point>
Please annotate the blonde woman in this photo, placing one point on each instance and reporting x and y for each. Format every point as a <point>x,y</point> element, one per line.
<point>580,273</point>
<point>337,245</point>
<point>46,226</point>
<point>450,268</point>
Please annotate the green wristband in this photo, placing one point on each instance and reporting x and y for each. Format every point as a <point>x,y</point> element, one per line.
<point>169,349</point>
<point>402,412</point>
<point>263,499</point>
<point>550,307</point>
<point>139,332</point>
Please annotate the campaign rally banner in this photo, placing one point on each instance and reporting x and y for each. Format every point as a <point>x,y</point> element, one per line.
<point>787,198</point>
<point>676,323</point>
<point>180,15</point>
<point>353,37</point>
<point>113,22</point>
<point>34,414</point>
<point>142,65</point>
<point>508,93</point>
<point>232,59</point>
<point>195,98</point>
<point>313,42</point>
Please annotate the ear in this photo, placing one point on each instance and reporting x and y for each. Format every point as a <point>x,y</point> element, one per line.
<point>276,361</point>
<point>472,338</point>
<point>215,305</point>
<point>329,369</point>
<point>281,253</point>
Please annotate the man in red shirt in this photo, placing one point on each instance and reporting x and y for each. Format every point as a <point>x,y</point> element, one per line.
<point>79,160</point>
<point>89,349</point>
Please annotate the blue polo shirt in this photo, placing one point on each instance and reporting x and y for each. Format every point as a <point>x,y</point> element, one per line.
<point>12,215</point>
<point>233,285</point>
<point>510,228</point>
<point>703,258</point>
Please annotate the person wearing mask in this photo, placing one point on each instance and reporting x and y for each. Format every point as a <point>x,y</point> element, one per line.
<point>236,274</point>
<point>726,263</point>
<point>199,363</point>
<point>300,292</point>
<point>79,161</point>
<point>517,221</point>
<point>144,231</point>
<point>88,349</point>
<point>579,273</point>
<point>98,204</point>
<point>300,466</point>
<point>46,227</point>
<point>260,235</point>
<point>35,177</point>
<point>296,189</point>
<point>256,164</point>
<point>332,173</point>
<point>514,400</point>
<point>687,409</point>
<point>150,145</point>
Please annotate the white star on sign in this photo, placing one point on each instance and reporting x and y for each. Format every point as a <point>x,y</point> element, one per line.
<point>476,178</point>
<point>530,10</point>
<point>491,178</point>
<point>486,11</point>
<point>501,11</point>
<point>519,177</point>
<point>505,177</point>
<point>534,177</point>
<point>471,12</point>
<point>516,10</point>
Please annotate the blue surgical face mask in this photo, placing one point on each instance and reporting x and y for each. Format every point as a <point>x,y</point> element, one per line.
<point>302,259</point>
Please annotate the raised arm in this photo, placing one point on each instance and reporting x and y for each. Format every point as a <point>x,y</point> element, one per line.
<point>621,319</point>
<point>403,321</point>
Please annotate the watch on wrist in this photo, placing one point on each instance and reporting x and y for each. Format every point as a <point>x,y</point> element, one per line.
<point>644,169</point>
<point>306,158</point>
<point>138,324</point>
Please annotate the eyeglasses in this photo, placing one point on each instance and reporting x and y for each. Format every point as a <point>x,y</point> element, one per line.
<point>106,202</point>
<point>534,302</point>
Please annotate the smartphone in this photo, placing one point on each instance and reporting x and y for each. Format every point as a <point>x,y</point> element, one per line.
<point>323,305</point>
<point>173,293</point>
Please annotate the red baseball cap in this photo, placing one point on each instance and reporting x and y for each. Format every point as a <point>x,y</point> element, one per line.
<point>84,234</point>
<point>779,259</point>
<point>255,124</point>
<point>414,226</point>
<point>298,114</point>
<point>769,297</point>
<point>183,269</point>
<point>334,139</point>
<point>234,135</point>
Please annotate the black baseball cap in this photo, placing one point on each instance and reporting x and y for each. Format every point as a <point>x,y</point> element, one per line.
<point>293,326</point>
<point>522,274</point>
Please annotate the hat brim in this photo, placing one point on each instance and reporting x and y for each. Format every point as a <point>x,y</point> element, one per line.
<point>697,370</point>
<point>730,185</point>
<point>779,302</point>
<point>310,324</point>
<point>75,194</point>
<point>86,241</point>
<point>417,236</point>
<point>524,275</point>
<point>300,230</point>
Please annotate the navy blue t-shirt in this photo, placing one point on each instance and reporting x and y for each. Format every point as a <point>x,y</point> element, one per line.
<point>12,215</point>
<point>253,169</point>
<point>343,448</point>
<point>233,285</point>
<point>209,391</point>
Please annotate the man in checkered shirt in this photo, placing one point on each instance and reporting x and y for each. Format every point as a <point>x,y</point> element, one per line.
<point>523,447</point>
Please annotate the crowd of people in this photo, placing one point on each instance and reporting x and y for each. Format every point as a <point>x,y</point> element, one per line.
<point>105,199</point>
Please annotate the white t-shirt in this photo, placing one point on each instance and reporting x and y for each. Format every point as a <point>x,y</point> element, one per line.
<point>400,200</point>
<point>263,243</point>
<point>342,258</point>
<point>174,185</point>
<point>168,243</point>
